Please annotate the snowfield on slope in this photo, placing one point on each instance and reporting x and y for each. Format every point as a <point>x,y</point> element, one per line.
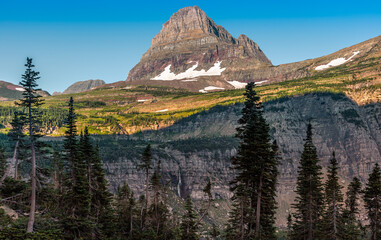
<point>190,73</point>
<point>237,84</point>
<point>336,62</point>
<point>240,85</point>
<point>210,88</point>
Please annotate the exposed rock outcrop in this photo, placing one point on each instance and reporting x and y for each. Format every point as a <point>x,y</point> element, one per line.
<point>190,37</point>
<point>190,44</point>
<point>199,148</point>
<point>83,86</point>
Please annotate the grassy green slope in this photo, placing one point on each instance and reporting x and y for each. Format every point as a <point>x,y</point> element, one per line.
<point>129,109</point>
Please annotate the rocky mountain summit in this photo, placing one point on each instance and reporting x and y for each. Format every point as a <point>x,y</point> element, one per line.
<point>190,46</point>
<point>83,86</point>
<point>194,53</point>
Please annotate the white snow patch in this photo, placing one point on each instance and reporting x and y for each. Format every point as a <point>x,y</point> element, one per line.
<point>213,88</point>
<point>237,84</point>
<point>167,75</point>
<point>189,80</point>
<point>260,82</point>
<point>143,100</point>
<point>20,89</point>
<point>336,62</point>
<point>164,110</point>
<point>210,88</point>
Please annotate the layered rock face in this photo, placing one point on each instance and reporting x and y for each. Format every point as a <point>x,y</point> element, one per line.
<point>193,53</point>
<point>191,29</point>
<point>190,37</point>
<point>83,86</point>
<point>199,148</point>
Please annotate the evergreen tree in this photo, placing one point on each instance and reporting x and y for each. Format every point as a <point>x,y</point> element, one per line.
<point>208,192</point>
<point>215,232</point>
<point>70,141</point>
<point>155,185</point>
<point>77,197</point>
<point>256,164</point>
<point>16,134</point>
<point>101,198</point>
<point>125,209</point>
<point>239,216</point>
<point>309,200</point>
<point>88,155</point>
<point>31,101</point>
<point>289,225</point>
<point>372,199</point>
<point>58,171</point>
<point>188,224</point>
<point>3,161</point>
<point>158,211</point>
<point>333,222</point>
<point>353,194</point>
<point>352,230</point>
<point>269,203</point>
<point>146,165</point>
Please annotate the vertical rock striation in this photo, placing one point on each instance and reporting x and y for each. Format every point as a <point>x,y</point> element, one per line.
<point>200,147</point>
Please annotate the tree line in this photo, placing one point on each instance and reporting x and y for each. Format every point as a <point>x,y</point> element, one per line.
<point>69,199</point>
<point>66,195</point>
<point>319,210</point>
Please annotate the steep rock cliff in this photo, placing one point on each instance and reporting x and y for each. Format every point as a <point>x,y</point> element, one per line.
<point>200,147</point>
<point>192,52</point>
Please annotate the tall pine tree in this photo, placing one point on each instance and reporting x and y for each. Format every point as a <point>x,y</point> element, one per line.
<point>239,216</point>
<point>101,209</point>
<point>146,166</point>
<point>158,211</point>
<point>16,134</point>
<point>256,166</point>
<point>188,223</point>
<point>3,161</point>
<point>309,190</point>
<point>352,226</point>
<point>125,210</point>
<point>372,199</point>
<point>333,222</point>
<point>208,193</point>
<point>31,101</point>
<point>77,197</point>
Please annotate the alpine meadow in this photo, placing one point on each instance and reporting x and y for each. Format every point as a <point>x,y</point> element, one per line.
<point>204,138</point>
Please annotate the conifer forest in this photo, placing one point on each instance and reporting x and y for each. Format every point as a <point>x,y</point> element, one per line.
<point>59,189</point>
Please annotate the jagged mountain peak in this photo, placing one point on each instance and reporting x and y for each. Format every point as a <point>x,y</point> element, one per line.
<point>192,52</point>
<point>192,45</point>
<point>190,23</point>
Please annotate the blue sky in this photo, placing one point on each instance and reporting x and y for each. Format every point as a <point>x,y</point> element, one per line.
<point>79,40</point>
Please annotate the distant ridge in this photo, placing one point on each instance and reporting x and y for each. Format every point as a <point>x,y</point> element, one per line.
<point>83,86</point>
<point>10,91</point>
